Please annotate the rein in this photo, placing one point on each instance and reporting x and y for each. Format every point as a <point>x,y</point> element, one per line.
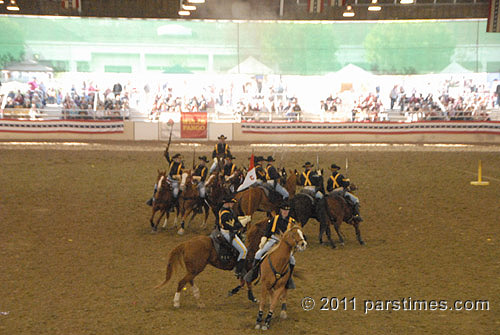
<point>278,275</point>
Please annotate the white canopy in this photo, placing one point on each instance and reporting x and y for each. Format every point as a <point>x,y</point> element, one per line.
<point>251,66</point>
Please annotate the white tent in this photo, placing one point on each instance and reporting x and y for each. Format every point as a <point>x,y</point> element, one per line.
<point>251,66</point>
<point>351,72</point>
<point>455,68</point>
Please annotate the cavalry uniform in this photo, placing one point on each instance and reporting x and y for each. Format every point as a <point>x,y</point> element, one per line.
<point>175,172</point>
<point>221,150</point>
<point>229,169</point>
<point>200,175</point>
<point>272,177</point>
<point>259,170</point>
<point>338,183</point>
<point>311,180</point>
<point>229,225</point>
<point>275,227</point>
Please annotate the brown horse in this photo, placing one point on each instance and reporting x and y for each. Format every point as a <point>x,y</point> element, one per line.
<point>199,251</point>
<point>163,200</point>
<point>188,199</point>
<point>255,199</point>
<point>275,272</point>
<point>338,210</point>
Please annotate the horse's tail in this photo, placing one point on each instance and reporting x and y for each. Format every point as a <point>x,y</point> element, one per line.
<point>175,259</point>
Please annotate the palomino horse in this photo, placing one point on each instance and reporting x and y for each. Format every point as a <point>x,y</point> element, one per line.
<point>199,251</point>
<point>163,200</point>
<point>275,272</point>
<point>254,198</point>
<point>338,210</point>
<point>188,199</point>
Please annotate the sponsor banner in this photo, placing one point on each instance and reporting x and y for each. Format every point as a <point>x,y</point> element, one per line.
<point>424,127</point>
<point>61,126</point>
<point>194,125</point>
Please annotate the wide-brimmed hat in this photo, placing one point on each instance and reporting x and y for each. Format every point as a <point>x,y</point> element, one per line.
<point>285,205</point>
<point>177,156</point>
<point>258,159</point>
<point>270,159</point>
<point>307,164</point>
<point>230,156</point>
<point>203,158</point>
<point>228,198</point>
<point>334,166</point>
<point>222,137</point>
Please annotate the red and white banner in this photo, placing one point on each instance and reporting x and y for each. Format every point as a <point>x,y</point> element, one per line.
<point>386,128</point>
<point>61,126</point>
<point>250,178</point>
<point>337,3</point>
<point>493,25</point>
<point>72,4</point>
<point>194,125</point>
<point>315,6</point>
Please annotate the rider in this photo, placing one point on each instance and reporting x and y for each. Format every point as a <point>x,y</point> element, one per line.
<point>229,169</point>
<point>259,170</point>
<point>337,182</point>
<point>221,150</point>
<point>311,180</point>
<point>200,175</point>
<point>229,225</point>
<point>272,177</point>
<point>174,175</point>
<point>276,226</point>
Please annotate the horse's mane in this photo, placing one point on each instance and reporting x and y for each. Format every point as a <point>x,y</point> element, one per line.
<point>281,236</point>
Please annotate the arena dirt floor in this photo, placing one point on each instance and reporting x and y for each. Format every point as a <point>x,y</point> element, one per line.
<point>78,257</point>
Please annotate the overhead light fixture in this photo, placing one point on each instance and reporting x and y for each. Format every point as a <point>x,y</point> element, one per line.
<point>13,5</point>
<point>406,2</point>
<point>196,1</point>
<point>374,7</point>
<point>184,13</point>
<point>188,7</point>
<point>1,2</point>
<point>348,12</point>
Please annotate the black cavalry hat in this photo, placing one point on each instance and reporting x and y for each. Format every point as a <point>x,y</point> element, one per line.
<point>228,198</point>
<point>177,156</point>
<point>285,205</point>
<point>230,156</point>
<point>307,164</point>
<point>270,159</point>
<point>203,158</point>
<point>334,166</point>
<point>222,137</point>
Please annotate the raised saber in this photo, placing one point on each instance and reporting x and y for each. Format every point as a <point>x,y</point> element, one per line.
<point>169,137</point>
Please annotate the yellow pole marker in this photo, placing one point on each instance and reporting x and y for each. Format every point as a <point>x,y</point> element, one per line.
<point>479,181</point>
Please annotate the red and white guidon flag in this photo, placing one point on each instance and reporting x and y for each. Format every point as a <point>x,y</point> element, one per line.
<point>72,4</point>
<point>315,6</point>
<point>250,178</point>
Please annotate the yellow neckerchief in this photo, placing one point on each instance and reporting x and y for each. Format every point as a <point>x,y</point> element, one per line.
<point>267,171</point>
<point>334,179</point>
<point>221,213</point>
<point>178,167</point>
<point>307,182</point>
<point>291,222</point>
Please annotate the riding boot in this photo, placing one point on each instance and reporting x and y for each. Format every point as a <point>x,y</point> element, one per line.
<point>240,268</point>
<point>149,202</point>
<point>357,217</point>
<point>290,285</point>
<point>254,271</point>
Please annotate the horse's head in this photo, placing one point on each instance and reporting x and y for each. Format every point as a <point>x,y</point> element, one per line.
<point>186,180</point>
<point>294,237</point>
<point>352,187</point>
<point>162,181</point>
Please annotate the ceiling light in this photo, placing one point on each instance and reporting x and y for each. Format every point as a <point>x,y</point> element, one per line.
<point>406,2</point>
<point>349,12</point>
<point>188,7</point>
<point>184,13</point>
<point>1,2</point>
<point>374,7</point>
<point>196,1</point>
<point>13,5</point>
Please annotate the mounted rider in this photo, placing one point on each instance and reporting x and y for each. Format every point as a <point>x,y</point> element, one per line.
<point>273,178</point>
<point>338,183</point>
<point>174,175</point>
<point>229,169</point>
<point>200,176</point>
<point>229,225</point>
<point>275,227</point>
<point>311,181</point>
<point>259,170</point>
<point>221,151</point>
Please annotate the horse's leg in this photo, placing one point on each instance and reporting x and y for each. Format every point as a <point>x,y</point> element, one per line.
<point>196,294</point>
<point>358,234</point>
<point>162,213</point>
<point>336,224</point>
<point>151,220</point>
<point>329,234</point>
<point>188,278</point>
<point>167,215</point>
<point>274,301</point>
<point>250,295</point>
<point>206,209</point>
<point>283,314</point>
<point>262,304</point>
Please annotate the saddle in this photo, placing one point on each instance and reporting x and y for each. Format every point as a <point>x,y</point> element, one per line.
<point>310,194</point>
<point>225,251</point>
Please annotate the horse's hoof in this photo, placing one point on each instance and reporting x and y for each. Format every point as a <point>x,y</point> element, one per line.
<point>264,327</point>
<point>283,315</point>
<point>334,246</point>
<point>342,244</point>
<point>177,304</point>
<point>180,231</point>
<point>362,242</point>
<point>257,326</point>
